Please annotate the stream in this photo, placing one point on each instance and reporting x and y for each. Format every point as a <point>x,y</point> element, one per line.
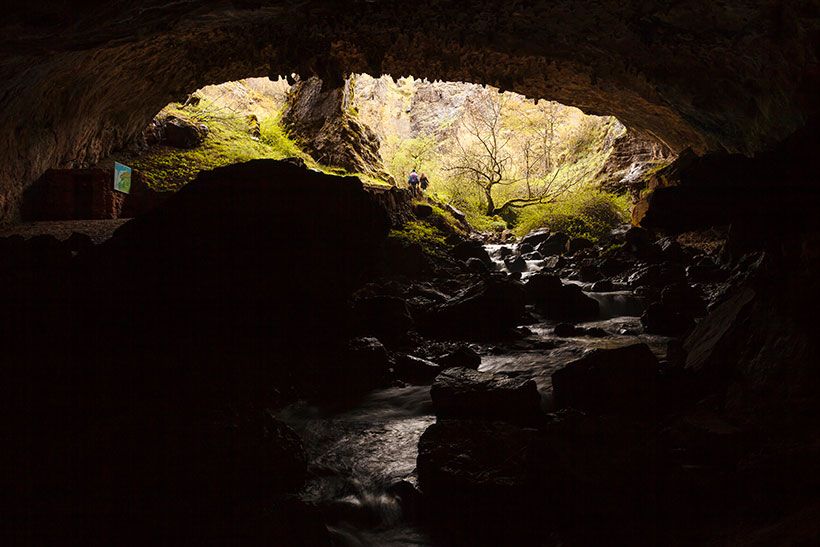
<point>360,454</point>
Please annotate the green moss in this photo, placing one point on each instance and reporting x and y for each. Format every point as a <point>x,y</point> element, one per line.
<point>430,238</point>
<point>229,141</point>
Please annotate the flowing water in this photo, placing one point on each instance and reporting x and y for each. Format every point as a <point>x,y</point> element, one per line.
<point>361,452</point>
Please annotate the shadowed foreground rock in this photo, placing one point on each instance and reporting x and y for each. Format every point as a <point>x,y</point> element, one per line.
<point>230,297</point>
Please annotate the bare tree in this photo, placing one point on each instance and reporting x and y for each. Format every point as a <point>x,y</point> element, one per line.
<point>492,156</point>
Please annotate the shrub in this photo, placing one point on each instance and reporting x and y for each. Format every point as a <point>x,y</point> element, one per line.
<point>589,213</point>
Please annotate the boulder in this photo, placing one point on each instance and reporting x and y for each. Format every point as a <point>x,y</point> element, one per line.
<point>604,285</point>
<point>381,315</point>
<point>589,273</point>
<point>477,265</point>
<point>515,264</point>
<point>364,364</point>
<point>491,305</point>
<point>481,479</point>
<point>609,381</point>
<point>463,356</point>
<point>504,252</point>
<point>471,249</point>
<point>525,248</point>
<point>469,394</point>
<point>536,237</point>
<point>578,244</point>
<point>671,250</point>
<point>555,244</point>
<point>682,298</point>
<point>660,318</point>
<point>416,370</point>
<point>658,275</point>
<point>181,133</point>
<point>563,302</point>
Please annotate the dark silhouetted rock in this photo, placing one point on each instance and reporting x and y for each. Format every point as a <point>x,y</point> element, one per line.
<point>589,274</point>
<point>477,265</point>
<point>364,364</point>
<point>577,244</point>
<point>535,237</point>
<point>515,264</point>
<point>464,463</point>
<point>415,370</point>
<point>683,299</point>
<point>605,285</point>
<point>471,249</point>
<point>609,381</point>
<point>382,315</point>
<point>488,306</point>
<point>658,275</point>
<point>468,394</point>
<point>660,318</point>
<point>464,356</point>
<point>555,244</point>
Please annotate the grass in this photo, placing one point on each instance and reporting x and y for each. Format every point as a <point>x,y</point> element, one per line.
<point>229,141</point>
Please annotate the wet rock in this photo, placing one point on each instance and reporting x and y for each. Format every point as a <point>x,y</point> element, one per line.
<point>471,249</point>
<point>660,318</point>
<point>490,305</point>
<point>464,357</point>
<point>416,370</point>
<point>557,301</point>
<point>612,266</point>
<point>525,248</point>
<point>468,394</point>
<point>533,256</point>
<point>181,133</point>
<point>504,252</point>
<point>577,244</point>
<point>609,381</point>
<point>589,273</point>
<point>671,250</point>
<point>364,364</point>
<point>566,330</point>
<point>605,285</point>
<point>476,265</point>
<point>515,264</point>
<point>684,299</point>
<point>382,315</point>
<point>658,275</point>
<point>536,237</point>
<point>464,464</point>
<point>554,262</point>
<point>555,244</point>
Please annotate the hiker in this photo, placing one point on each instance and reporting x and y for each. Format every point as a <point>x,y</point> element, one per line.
<point>413,182</point>
<point>423,182</point>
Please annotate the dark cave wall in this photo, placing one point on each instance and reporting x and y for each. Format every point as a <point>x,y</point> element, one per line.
<point>82,77</point>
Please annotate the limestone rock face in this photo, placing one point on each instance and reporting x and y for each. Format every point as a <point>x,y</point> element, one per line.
<point>322,123</point>
<point>82,78</point>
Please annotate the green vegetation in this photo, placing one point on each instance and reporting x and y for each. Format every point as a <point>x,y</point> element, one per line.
<point>430,238</point>
<point>589,213</point>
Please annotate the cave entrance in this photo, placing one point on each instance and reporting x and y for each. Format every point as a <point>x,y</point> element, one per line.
<point>501,159</point>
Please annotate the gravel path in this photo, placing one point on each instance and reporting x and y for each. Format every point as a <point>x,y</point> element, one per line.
<point>97,230</point>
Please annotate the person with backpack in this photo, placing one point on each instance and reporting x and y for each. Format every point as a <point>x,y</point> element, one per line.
<point>413,182</point>
<point>423,182</point>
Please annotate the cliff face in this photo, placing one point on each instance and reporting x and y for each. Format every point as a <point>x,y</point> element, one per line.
<point>323,123</point>
<point>78,79</point>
